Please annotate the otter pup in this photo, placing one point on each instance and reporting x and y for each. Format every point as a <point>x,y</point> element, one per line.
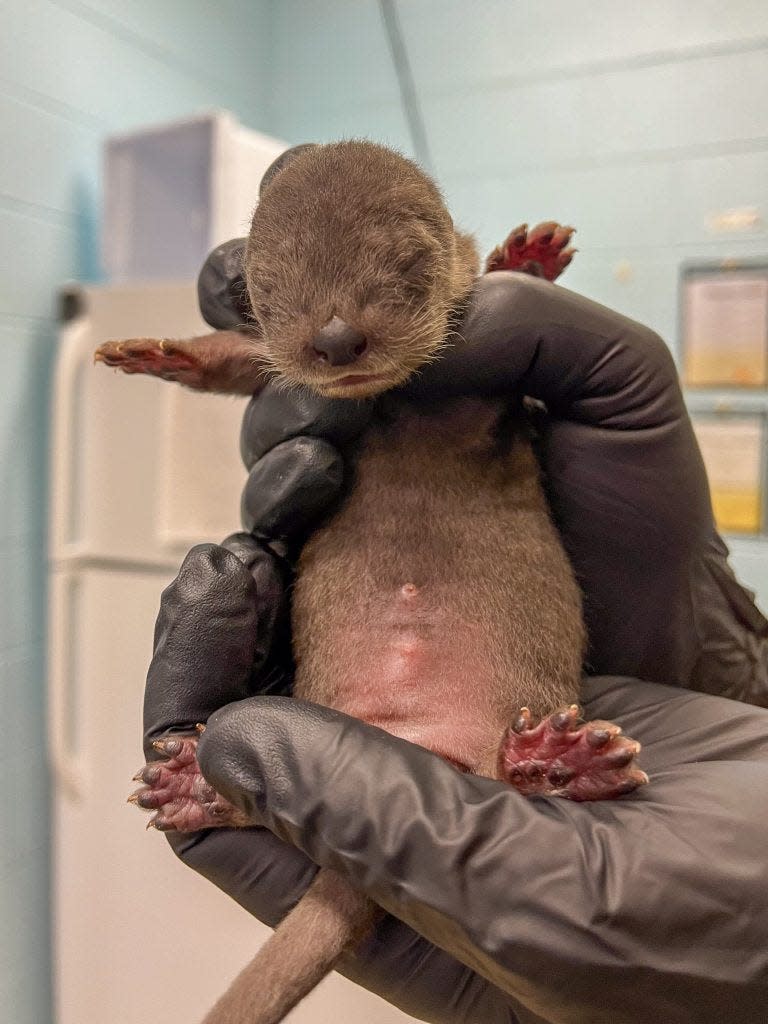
<point>437,602</point>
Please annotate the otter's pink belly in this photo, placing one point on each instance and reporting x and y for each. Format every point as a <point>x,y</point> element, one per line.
<point>422,674</point>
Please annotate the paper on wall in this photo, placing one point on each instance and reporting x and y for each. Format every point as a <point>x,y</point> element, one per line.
<point>725,340</point>
<point>732,448</point>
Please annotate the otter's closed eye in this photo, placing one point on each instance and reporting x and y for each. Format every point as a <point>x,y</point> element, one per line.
<point>416,263</point>
<point>265,288</point>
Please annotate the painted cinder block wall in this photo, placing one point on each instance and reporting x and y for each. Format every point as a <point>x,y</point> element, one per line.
<point>71,73</point>
<point>633,122</point>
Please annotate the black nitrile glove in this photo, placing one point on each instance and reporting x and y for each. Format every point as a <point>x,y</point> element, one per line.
<point>650,908</point>
<point>221,289</point>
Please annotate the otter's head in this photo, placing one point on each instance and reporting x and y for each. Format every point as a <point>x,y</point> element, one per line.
<point>353,267</point>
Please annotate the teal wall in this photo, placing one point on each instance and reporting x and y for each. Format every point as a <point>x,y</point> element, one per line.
<point>70,73</point>
<point>633,122</point>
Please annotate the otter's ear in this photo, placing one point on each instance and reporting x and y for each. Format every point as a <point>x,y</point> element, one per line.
<point>282,162</point>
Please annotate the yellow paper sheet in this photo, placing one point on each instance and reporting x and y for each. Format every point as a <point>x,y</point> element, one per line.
<point>732,448</point>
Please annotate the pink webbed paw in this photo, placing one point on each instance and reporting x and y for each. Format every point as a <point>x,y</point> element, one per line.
<point>541,251</point>
<point>157,357</point>
<point>177,791</point>
<point>562,756</point>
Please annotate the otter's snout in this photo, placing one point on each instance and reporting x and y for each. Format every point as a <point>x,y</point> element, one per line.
<point>338,344</point>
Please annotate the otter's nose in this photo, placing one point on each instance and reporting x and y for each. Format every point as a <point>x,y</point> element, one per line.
<point>339,344</point>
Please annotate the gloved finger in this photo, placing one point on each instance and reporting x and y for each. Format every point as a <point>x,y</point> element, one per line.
<point>273,661</point>
<point>276,415</point>
<point>583,360</point>
<point>291,487</point>
<point>221,289</point>
<point>268,877</point>
<point>213,630</point>
<point>265,572</point>
<point>542,882</point>
<point>633,510</point>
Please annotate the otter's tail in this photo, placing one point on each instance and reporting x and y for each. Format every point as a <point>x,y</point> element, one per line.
<point>330,918</point>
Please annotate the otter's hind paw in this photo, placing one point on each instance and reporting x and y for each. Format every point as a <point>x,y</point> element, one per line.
<point>176,790</point>
<point>562,756</point>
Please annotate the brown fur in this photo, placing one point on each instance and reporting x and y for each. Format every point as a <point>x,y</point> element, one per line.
<point>445,504</point>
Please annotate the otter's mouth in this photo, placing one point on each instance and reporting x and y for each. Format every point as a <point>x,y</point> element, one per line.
<point>355,385</point>
<point>354,378</point>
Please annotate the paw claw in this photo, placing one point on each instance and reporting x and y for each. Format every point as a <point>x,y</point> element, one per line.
<point>599,737</point>
<point>619,758</point>
<point>564,720</point>
<point>148,799</point>
<point>628,785</point>
<point>545,239</point>
<point>522,722</point>
<point>170,746</point>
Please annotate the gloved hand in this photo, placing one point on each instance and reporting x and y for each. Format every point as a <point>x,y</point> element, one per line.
<point>627,487</point>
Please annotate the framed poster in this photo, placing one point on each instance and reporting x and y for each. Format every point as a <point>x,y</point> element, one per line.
<point>733,448</point>
<point>724,325</point>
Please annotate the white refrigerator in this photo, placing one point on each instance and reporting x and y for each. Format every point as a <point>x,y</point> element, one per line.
<point>141,470</point>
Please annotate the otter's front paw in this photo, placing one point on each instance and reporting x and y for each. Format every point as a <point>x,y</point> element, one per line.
<point>541,251</point>
<point>561,756</point>
<point>176,789</point>
<point>158,357</point>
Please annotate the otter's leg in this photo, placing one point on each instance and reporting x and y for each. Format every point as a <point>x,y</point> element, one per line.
<point>561,756</point>
<point>224,361</point>
<point>541,251</point>
<point>176,790</point>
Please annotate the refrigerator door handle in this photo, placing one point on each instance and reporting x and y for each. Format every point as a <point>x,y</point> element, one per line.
<point>64,716</point>
<point>66,418</point>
